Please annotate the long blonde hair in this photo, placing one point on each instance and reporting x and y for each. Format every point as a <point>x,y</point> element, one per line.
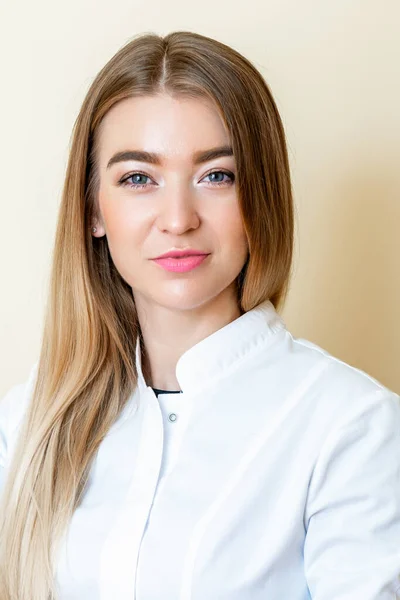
<point>86,369</point>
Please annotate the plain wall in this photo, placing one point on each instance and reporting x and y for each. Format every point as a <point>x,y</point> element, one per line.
<point>333,70</point>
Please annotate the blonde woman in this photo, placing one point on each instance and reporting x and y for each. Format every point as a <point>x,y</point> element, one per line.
<point>174,440</point>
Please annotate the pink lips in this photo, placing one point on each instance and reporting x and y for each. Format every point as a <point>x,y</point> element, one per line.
<point>182,264</point>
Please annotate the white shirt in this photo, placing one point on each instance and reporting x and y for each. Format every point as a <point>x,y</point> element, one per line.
<point>278,480</point>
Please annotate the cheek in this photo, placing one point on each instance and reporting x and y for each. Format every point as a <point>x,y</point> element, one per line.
<point>122,220</point>
<point>233,231</point>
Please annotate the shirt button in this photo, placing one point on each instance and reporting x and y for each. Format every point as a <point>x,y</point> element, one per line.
<point>172,417</point>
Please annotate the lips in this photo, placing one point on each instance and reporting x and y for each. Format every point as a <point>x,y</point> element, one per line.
<point>181,264</point>
<point>177,256</point>
<point>182,254</point>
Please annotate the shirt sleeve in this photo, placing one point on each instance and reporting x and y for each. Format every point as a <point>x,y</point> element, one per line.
<point>352,517</point>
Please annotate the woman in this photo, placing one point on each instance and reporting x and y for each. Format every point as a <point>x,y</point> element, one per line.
<point>174,440</point>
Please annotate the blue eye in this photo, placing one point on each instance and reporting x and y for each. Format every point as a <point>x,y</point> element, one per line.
<point>230,176</point>
<point>135,183</point>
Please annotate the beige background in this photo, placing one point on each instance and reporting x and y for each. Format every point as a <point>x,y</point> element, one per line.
<point>333,67</point>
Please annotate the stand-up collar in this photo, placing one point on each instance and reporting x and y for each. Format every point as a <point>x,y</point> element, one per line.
<point>218,352</point>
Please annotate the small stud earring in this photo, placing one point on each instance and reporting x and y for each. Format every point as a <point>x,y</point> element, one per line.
<point>94,229</point>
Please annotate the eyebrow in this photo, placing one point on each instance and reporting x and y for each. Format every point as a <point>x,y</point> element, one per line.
<point>153,158</point>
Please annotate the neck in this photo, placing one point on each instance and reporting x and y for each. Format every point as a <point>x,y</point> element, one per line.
<point>169,333</point>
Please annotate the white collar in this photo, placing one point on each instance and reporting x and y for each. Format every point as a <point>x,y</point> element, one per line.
<point>219,352</point>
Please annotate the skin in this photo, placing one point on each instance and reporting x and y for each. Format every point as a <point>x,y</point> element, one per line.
<point>181,205</point>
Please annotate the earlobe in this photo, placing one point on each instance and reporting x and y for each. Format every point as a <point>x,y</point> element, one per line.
<point>97,231</point>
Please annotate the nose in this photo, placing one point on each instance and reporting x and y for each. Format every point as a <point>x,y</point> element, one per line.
<point>178,211</point>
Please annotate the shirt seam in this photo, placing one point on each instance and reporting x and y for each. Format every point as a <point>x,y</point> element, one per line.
<point>338,360</point>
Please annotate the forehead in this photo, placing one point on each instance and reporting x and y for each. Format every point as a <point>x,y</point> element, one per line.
<point>173,126</point>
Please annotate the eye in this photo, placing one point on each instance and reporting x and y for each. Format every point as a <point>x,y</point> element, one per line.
<point>135,177</point>
<point>216,178</point>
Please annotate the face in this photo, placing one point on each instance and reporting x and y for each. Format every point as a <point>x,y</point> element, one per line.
<point>178,199</point>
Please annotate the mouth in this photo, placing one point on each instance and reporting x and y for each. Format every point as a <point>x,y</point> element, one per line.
<point>182,253</point>
<point>181,264</point>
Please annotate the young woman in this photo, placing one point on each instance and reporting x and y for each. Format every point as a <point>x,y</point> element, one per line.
<point>174,440</point>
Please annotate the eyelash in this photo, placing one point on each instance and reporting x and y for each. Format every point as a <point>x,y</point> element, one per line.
<point>123,182</point>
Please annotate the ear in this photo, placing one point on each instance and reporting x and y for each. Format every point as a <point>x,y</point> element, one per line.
<point>97,229</point>
<point>97,223</point>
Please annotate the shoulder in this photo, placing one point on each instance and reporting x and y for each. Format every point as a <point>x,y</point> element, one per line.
<point>335,369</point>
<point>349,445</point>
<point>343,391</point>
<point>12,410</point>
